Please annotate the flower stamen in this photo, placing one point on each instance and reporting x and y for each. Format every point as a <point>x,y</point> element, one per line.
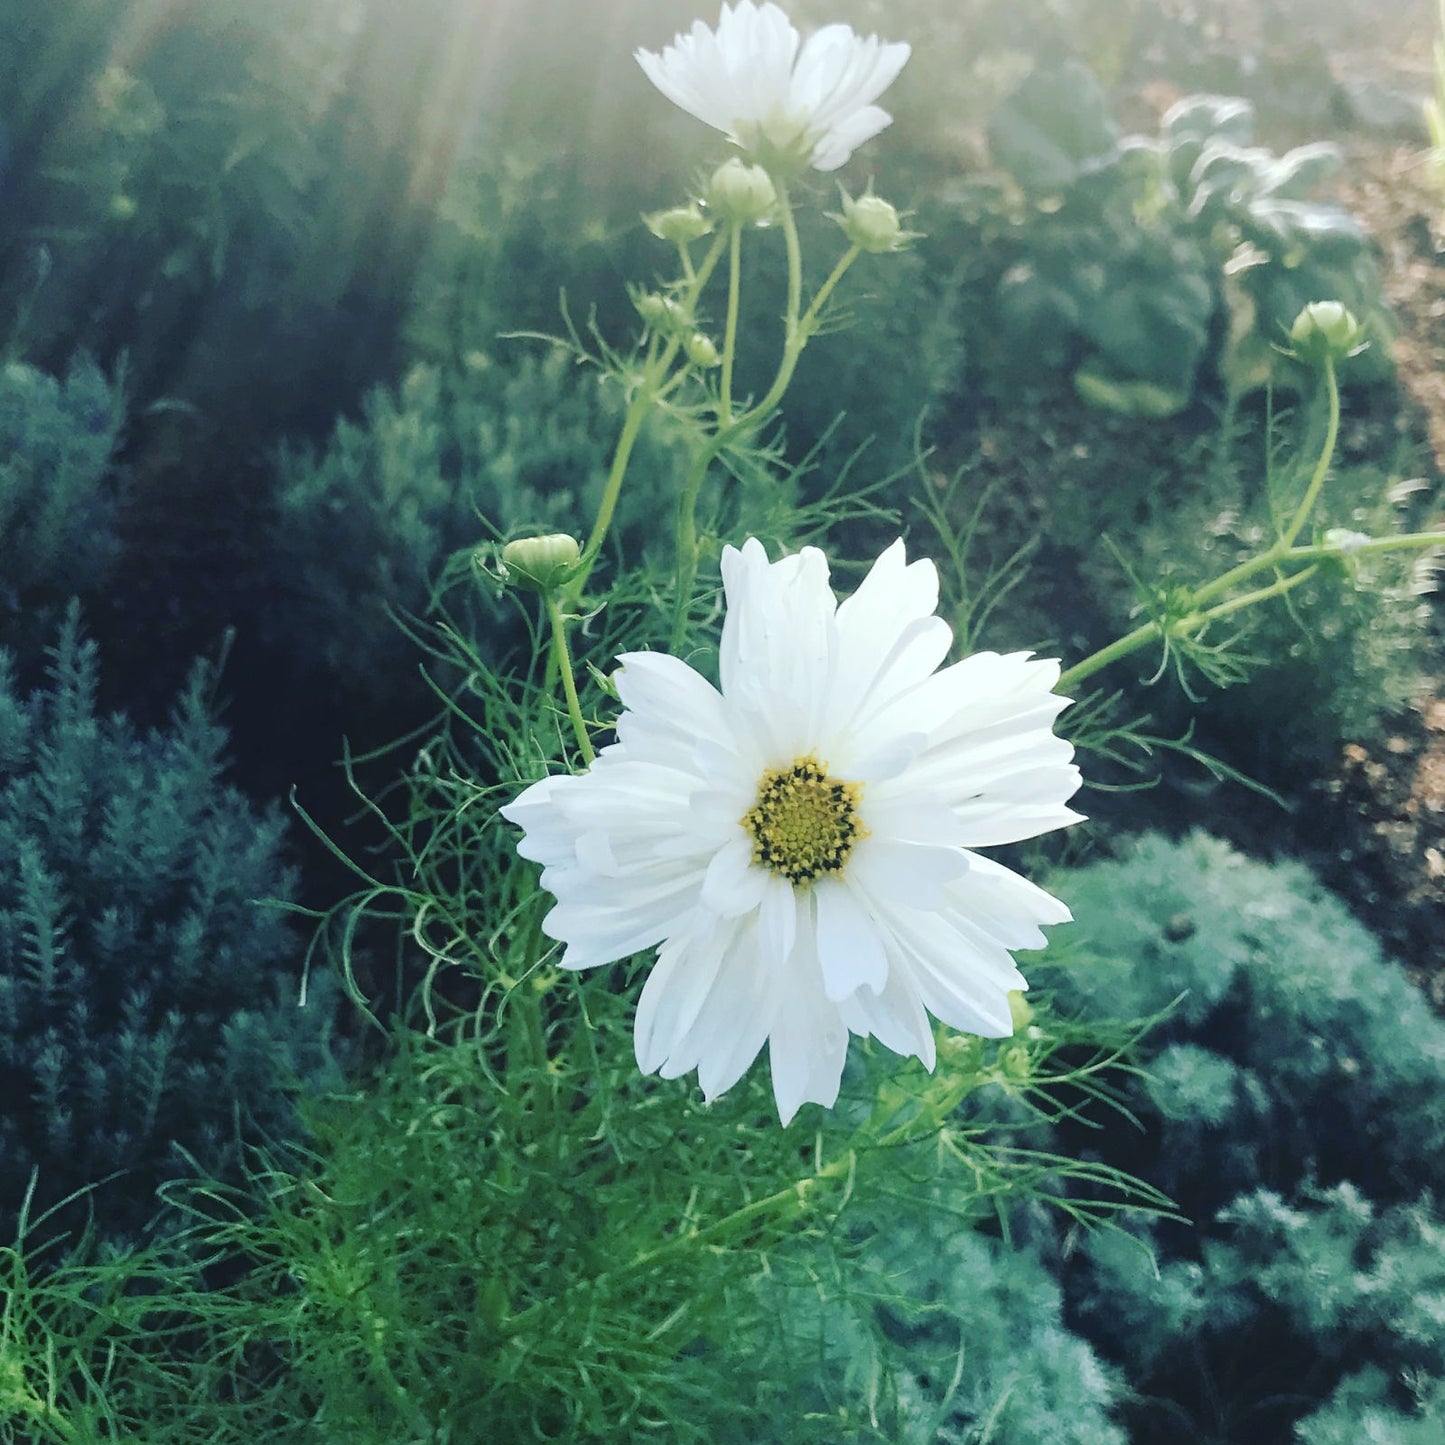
<point>804,823</point>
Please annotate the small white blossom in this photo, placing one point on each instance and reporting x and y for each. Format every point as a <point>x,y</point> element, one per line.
<point>798,842</point>
<point>787,102</point>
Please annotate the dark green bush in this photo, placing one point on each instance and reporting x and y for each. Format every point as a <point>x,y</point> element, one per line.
<point>58,487</point>
<point>1293,1105</point>
<point>1144,264</point>
<point>952,1337</point>
<point>147,991</point>
<point>381,524</point>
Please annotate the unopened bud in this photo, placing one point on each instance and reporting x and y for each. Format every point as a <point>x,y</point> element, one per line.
<point>741,194</point>
<point>1020,1010</point>
<point>700,350</point>
<point>661,313</point>
<point>540,564</point>
<point>679,224</point>
<point>1344,541</point>
<point>872,224</point>
<point>1325,330</point>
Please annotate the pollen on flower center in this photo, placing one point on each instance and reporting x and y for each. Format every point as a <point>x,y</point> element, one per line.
<point>804,823</point>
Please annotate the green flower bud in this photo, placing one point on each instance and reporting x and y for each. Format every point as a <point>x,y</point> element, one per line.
<point>680,224</point>
<point>1325,329</point>
<point>540,564</point>
<point>741,194</point>
<point>701,351</point>
<point>1021,1011</point>
<point>871,224</point>
<point>123,207</point>
<point>661,313</point>
<point>1015,1063</point>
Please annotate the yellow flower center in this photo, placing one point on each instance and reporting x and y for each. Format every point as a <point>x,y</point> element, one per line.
<point>804,823</point>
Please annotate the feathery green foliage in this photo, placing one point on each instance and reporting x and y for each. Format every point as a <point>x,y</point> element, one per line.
<point>1292,1107</point>
<point>58,489</point>
<point>381,525</point>
<point>145,1006</point>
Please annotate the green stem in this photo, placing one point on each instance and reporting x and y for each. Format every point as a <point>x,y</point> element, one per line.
<point>1248,599</point>
<point>1322,551</point>
<point>563,659</point>
<point>798,335</point>
<point>631,426</point>
<point>1327,455</point>
<point>687,544</point>
<point>1282,552</point>
<point>654,370</point>
<point>730,326</point>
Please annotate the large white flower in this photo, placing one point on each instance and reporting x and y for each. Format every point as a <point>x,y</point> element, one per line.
<point>797,843</point>
<point>750,80</point>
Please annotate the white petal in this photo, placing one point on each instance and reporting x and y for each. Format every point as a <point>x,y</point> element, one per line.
<point>895,1017</point>
<point>670,708</point>
<point>775,656</point>
<point>676,992</point>
<point>914,874</point>
<point>777,921</point>
<point>808,1043</point>
<point>732,884</point>
<point>850,950</point>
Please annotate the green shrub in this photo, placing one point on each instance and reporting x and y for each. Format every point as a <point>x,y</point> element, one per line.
<point>146,994</point>
<point>58,493</point>
<point>1143,264</point>
<point>1292,1106</point>
<point>381,525</point>
<point>953,1337</point>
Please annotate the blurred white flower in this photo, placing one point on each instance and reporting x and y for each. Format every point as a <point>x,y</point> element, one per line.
<point>798,842</point>
<point>786,107</point>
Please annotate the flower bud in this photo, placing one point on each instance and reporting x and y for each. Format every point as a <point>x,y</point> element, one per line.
<point>679,224</point>
<point>1325,330</point>
<point>540,564</point>
<point>741,194</point>
<point>871,224</point>
<point>1021,1011</point>
<point>700,350</point>
<point>1344,541</point>
<point>661,313</point>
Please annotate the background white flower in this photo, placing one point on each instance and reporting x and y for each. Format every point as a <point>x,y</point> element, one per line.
<point>750,80</point>
<point>798,843</point>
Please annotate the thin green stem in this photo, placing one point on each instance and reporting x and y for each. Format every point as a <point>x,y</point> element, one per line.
<point>1283,552</point>
<point>654,371</point>
<point>563,659</point>
<point>1414,541</point>
<point>1327,455</point>
<point>1248,599</point>
<point>797,338</point>
<point>795,263</point>
<point>687,543</point>
<point>730,326</point>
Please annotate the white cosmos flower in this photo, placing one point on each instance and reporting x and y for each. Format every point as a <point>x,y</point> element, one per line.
<point>750,80</point>
<point>797,844</point>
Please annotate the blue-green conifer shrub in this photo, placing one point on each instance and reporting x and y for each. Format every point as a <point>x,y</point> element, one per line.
<point>147,994</point>
<point>380,525</point>
<point>58,437</point>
